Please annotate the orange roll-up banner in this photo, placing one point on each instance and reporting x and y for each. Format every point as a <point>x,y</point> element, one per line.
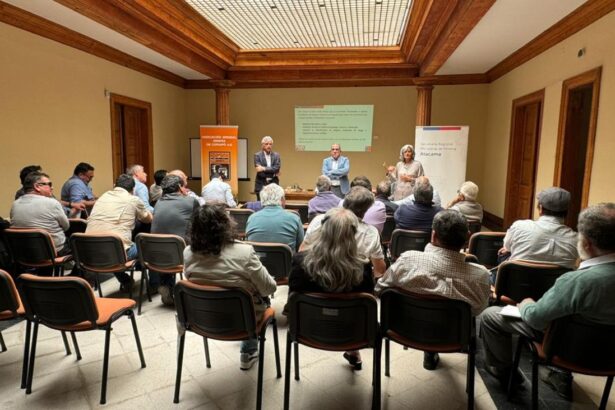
<point>219,153</point>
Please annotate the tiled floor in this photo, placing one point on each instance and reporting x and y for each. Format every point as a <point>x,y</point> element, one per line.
<point>327,382</point>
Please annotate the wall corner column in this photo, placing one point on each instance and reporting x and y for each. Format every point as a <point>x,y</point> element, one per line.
<point>223,111</point>
<point>423,106</point>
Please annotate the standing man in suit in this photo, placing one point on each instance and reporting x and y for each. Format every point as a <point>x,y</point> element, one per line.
<point>336,167</point>
<point>267,164</point>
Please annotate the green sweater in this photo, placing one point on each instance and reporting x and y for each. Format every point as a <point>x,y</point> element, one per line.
<point>588,292</point>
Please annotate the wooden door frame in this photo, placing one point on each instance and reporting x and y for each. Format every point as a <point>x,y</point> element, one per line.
<point>536,96</point>
<point>589,77</point>
<point>116,143</point>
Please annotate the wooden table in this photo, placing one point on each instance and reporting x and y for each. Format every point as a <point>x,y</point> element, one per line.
<point>299,195</point>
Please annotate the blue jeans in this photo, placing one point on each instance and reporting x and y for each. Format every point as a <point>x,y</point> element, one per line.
<point>249,346</point>
<point>156,279</point>
<point>131,254</point>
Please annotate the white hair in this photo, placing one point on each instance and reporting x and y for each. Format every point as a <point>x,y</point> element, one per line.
<point>133,169</point>
<point>272,195</point>
<point>267,138</point>
<point>404,149</point>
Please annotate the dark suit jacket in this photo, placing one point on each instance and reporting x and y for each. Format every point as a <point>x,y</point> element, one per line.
<point>270,174</point>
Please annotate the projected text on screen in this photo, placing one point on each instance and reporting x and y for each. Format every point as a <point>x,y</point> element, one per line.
<point>317,127</point>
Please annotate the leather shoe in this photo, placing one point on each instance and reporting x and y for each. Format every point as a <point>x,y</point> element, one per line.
<point>354,361</point>
<point>430,360</point>
<point>559,382</point>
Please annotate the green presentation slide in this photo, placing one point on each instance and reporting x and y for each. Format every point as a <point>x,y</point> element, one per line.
<point>317,127</point>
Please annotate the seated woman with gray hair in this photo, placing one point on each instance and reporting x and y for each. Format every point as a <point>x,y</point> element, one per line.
<point>465,202</point>
<point>331,263</point>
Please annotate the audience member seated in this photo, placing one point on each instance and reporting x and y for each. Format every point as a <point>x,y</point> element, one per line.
<point>187,191</point>
<point>465,202</point>
<point>155,190</point>
<point>22,178</point>
<point>436,200</point>
<point>441,270</point>
<point>218,191</point>
<point>37,209</point>
<point>331,263</point>
<point>141,191</point>
<point>273,223</point>
<point>546,239</point>
<point>418,214</point>
<point>215,258</point>
<point>383,192</point>
<point>376,215</point>
<point>253,205</point>
<point>172,215</point>
<point>77,189</point>
<point>358,201</point>
<point>587,292</point>
<point>324,200</point>
<point>117,211</point>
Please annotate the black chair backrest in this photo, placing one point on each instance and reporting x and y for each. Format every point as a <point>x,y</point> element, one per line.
<point>333,321</point>
<point>518,279</point>
<point>403,240</point>
<point>160,252</point>
<point>302,209</point>
<point>583,343</point>
<point>58,302</point>
<point>387,229</point>
<point>215,312</point>
<point>485,246</point>
<point>474,226</point>
<point>31,247</point>
<point>240,216</point>
<point>76,225</point>
<point>98,252</point>
<point>9,298</point>
<point>276,257</point>
<point>426,321</point>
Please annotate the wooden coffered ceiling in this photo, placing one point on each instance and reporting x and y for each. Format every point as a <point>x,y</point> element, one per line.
<point>434,30</point>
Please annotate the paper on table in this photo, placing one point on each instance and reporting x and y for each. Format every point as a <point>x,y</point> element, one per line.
<point>510,311</point>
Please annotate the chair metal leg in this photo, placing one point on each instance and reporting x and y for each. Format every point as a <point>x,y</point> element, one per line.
<point>470,382</point>
<point>2,345</point>
<point>180,359</point>
<point>147,292</point>
<point>75,345</point>
<point>261,365</point>
<point>387,357</point>
<point>98,285</point>
<point>296,361</point>
<point>276,346</point>
<point>132,278</point>
<point>605,395</point>
<point>534,381</point>
<point>206,345</point>
<point>140,297</point>
<point>103,389</point>
<point>66,345</point>
<point>131,314</point>
<point>32,357</point>
<point>287,372</point>
<point>26,353</point>
<point>515,366</point>
<point>376,396</point>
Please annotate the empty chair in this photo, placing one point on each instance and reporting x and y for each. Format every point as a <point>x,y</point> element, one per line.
<point>221,314</point>
<point>517,280</point>
<point>68,304</point>
<point>240,216</point>
<point>101,253</point>
<point>403,240</point>
<point>161,253</point>
<point>34,249</point>
<point>277,258</point>
<point>429,323</point>
<point>473,226</point>
<point>485,246</point>
<point>302,209</point>
<point>335,322</point>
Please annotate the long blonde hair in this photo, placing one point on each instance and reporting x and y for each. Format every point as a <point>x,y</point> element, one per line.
<point>332,260</point>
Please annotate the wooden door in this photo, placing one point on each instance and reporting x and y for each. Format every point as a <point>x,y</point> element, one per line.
<point>523,157</point>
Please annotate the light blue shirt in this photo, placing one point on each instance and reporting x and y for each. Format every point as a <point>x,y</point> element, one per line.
<point>274,224</point>
<point>218,191</point>
<point>75,190</point>
<point>142,193</point>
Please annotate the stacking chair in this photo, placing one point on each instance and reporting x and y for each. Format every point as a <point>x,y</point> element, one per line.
<point>240,216</point>
<point>335,322</point>
<point>277,258</point>
<point>34,249</point>
<point>429,323</point>
<point>160,253</point>
<point>403,240</point>
<point>101,253</point>
<point>221,314</point>
<point>473,227</point>
<point>577,345</point>
<point>77,225</point>
<point>68,304</point>
<point>519,279</point>
<point>385,235</point>
<point>485,246</point>
<point>302,209</point>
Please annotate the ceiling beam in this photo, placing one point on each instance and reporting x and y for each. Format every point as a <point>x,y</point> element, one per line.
<point>34,24</point>
<point>417,19</point>
<point>466,14</point>
<point>316,57</point>
<point>580,18</point>
<point>109,14</point>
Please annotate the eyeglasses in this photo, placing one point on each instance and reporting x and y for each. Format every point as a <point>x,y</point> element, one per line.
<point>49,184</point>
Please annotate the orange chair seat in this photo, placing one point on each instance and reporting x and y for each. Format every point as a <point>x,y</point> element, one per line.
<point>7,314</point>
<point>108,309</point>
<point>112,269</point>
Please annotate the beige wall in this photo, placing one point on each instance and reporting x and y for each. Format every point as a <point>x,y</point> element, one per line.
<point>548,71</point>
<point>53,112</point>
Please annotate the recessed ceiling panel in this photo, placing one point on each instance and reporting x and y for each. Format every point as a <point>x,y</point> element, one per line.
<point>284,24</point>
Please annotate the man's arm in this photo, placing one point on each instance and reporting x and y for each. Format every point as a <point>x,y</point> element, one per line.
<point>325,169</point>
<point>343,167</point>
<point>379,267</point>
<point>228,197</point>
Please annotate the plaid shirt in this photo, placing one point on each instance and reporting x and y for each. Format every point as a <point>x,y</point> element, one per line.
<point>439,271</point>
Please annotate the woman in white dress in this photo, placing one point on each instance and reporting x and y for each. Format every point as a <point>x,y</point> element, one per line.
<point>405,172</point>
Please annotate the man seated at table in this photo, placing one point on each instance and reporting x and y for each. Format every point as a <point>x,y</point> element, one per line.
<point>218,191</point>
<point>324,200</point>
